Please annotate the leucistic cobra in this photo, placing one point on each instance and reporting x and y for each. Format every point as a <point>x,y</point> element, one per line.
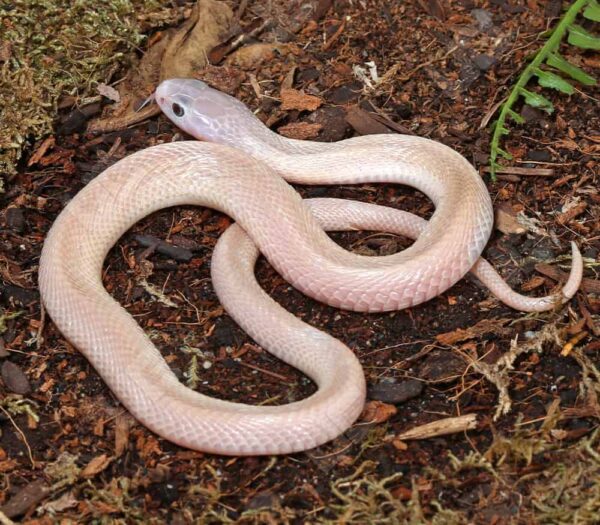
<point>244,177</point>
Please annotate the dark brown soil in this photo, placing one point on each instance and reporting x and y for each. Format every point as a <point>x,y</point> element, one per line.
<point>455,60</point>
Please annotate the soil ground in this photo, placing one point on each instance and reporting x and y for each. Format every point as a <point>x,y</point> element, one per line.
<point>70,453</point>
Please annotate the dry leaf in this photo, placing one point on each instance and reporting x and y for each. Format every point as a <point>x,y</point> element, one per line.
<point>506,219</point>
<point>535,282</point>
<point>378,412</point>
<point>180,53</point>
<point>98,464</point>
<point>109,92</point>
<point>27,497</point>
<point>66,501</point>
<point>251,56</point>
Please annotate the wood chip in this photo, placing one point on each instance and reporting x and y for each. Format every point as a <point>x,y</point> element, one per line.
<point>535,282</point>
<point>41,151</point>
<point>587,285</point>
<point>300,130</point>
<point>485,326</point>
<point>122,426</point>
<point>333,39</point>
<point>364,123</point>
<point>294,99</point>
<point>570,214</point>
<point>251,56</point>
<point>24,499</point>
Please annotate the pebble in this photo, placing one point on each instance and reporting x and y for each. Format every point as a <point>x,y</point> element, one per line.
<point>15,220</point>
<point>441,367</point>
<point>14,378</point>
<point>396,392</point>
<point>347,93</point>
<point>484,62</point>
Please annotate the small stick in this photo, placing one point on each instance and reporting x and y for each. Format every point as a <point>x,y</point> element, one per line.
<point>442,427</point>
<point>268,372</point>
<point>533,172</point>
<point>587,285</point>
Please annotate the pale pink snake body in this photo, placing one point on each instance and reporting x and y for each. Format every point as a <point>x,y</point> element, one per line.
<point>243,178</point>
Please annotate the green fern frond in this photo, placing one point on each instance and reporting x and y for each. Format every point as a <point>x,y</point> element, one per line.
<point>592,11</point>
<point>550,69</point>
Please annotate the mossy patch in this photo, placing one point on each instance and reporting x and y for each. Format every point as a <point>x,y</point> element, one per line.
<point>51,49</point>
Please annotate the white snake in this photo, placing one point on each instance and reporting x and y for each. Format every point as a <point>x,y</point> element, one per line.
<point>242,177</point>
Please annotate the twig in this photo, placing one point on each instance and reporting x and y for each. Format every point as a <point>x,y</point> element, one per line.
<point>38,336</point>
<point>442,427</point>
<point>267,372</point>
<point>534,172</point>
<point>587,285</point>
<point>5,520</point>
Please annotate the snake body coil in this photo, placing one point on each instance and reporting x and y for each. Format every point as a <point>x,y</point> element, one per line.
<point>244,178</point>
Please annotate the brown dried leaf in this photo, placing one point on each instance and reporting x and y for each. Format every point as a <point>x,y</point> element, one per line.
<point>98,464</point>
<point>506,219</point>
<point>294,99</point>
<point>179,53</point>
<point>188,47</point>
<point>535,282</point>
<point>378,412</point>
<point>567,144</point>
<point>251,56</point>
<point>435,8</point>
<point>109,92</point>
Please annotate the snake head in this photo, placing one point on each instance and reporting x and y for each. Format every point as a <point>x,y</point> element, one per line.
<point>203,112</point>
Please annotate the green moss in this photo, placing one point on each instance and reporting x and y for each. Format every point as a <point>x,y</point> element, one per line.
<point>55,48</point>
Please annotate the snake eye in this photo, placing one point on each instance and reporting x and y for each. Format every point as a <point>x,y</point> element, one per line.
<point>177,110</point>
